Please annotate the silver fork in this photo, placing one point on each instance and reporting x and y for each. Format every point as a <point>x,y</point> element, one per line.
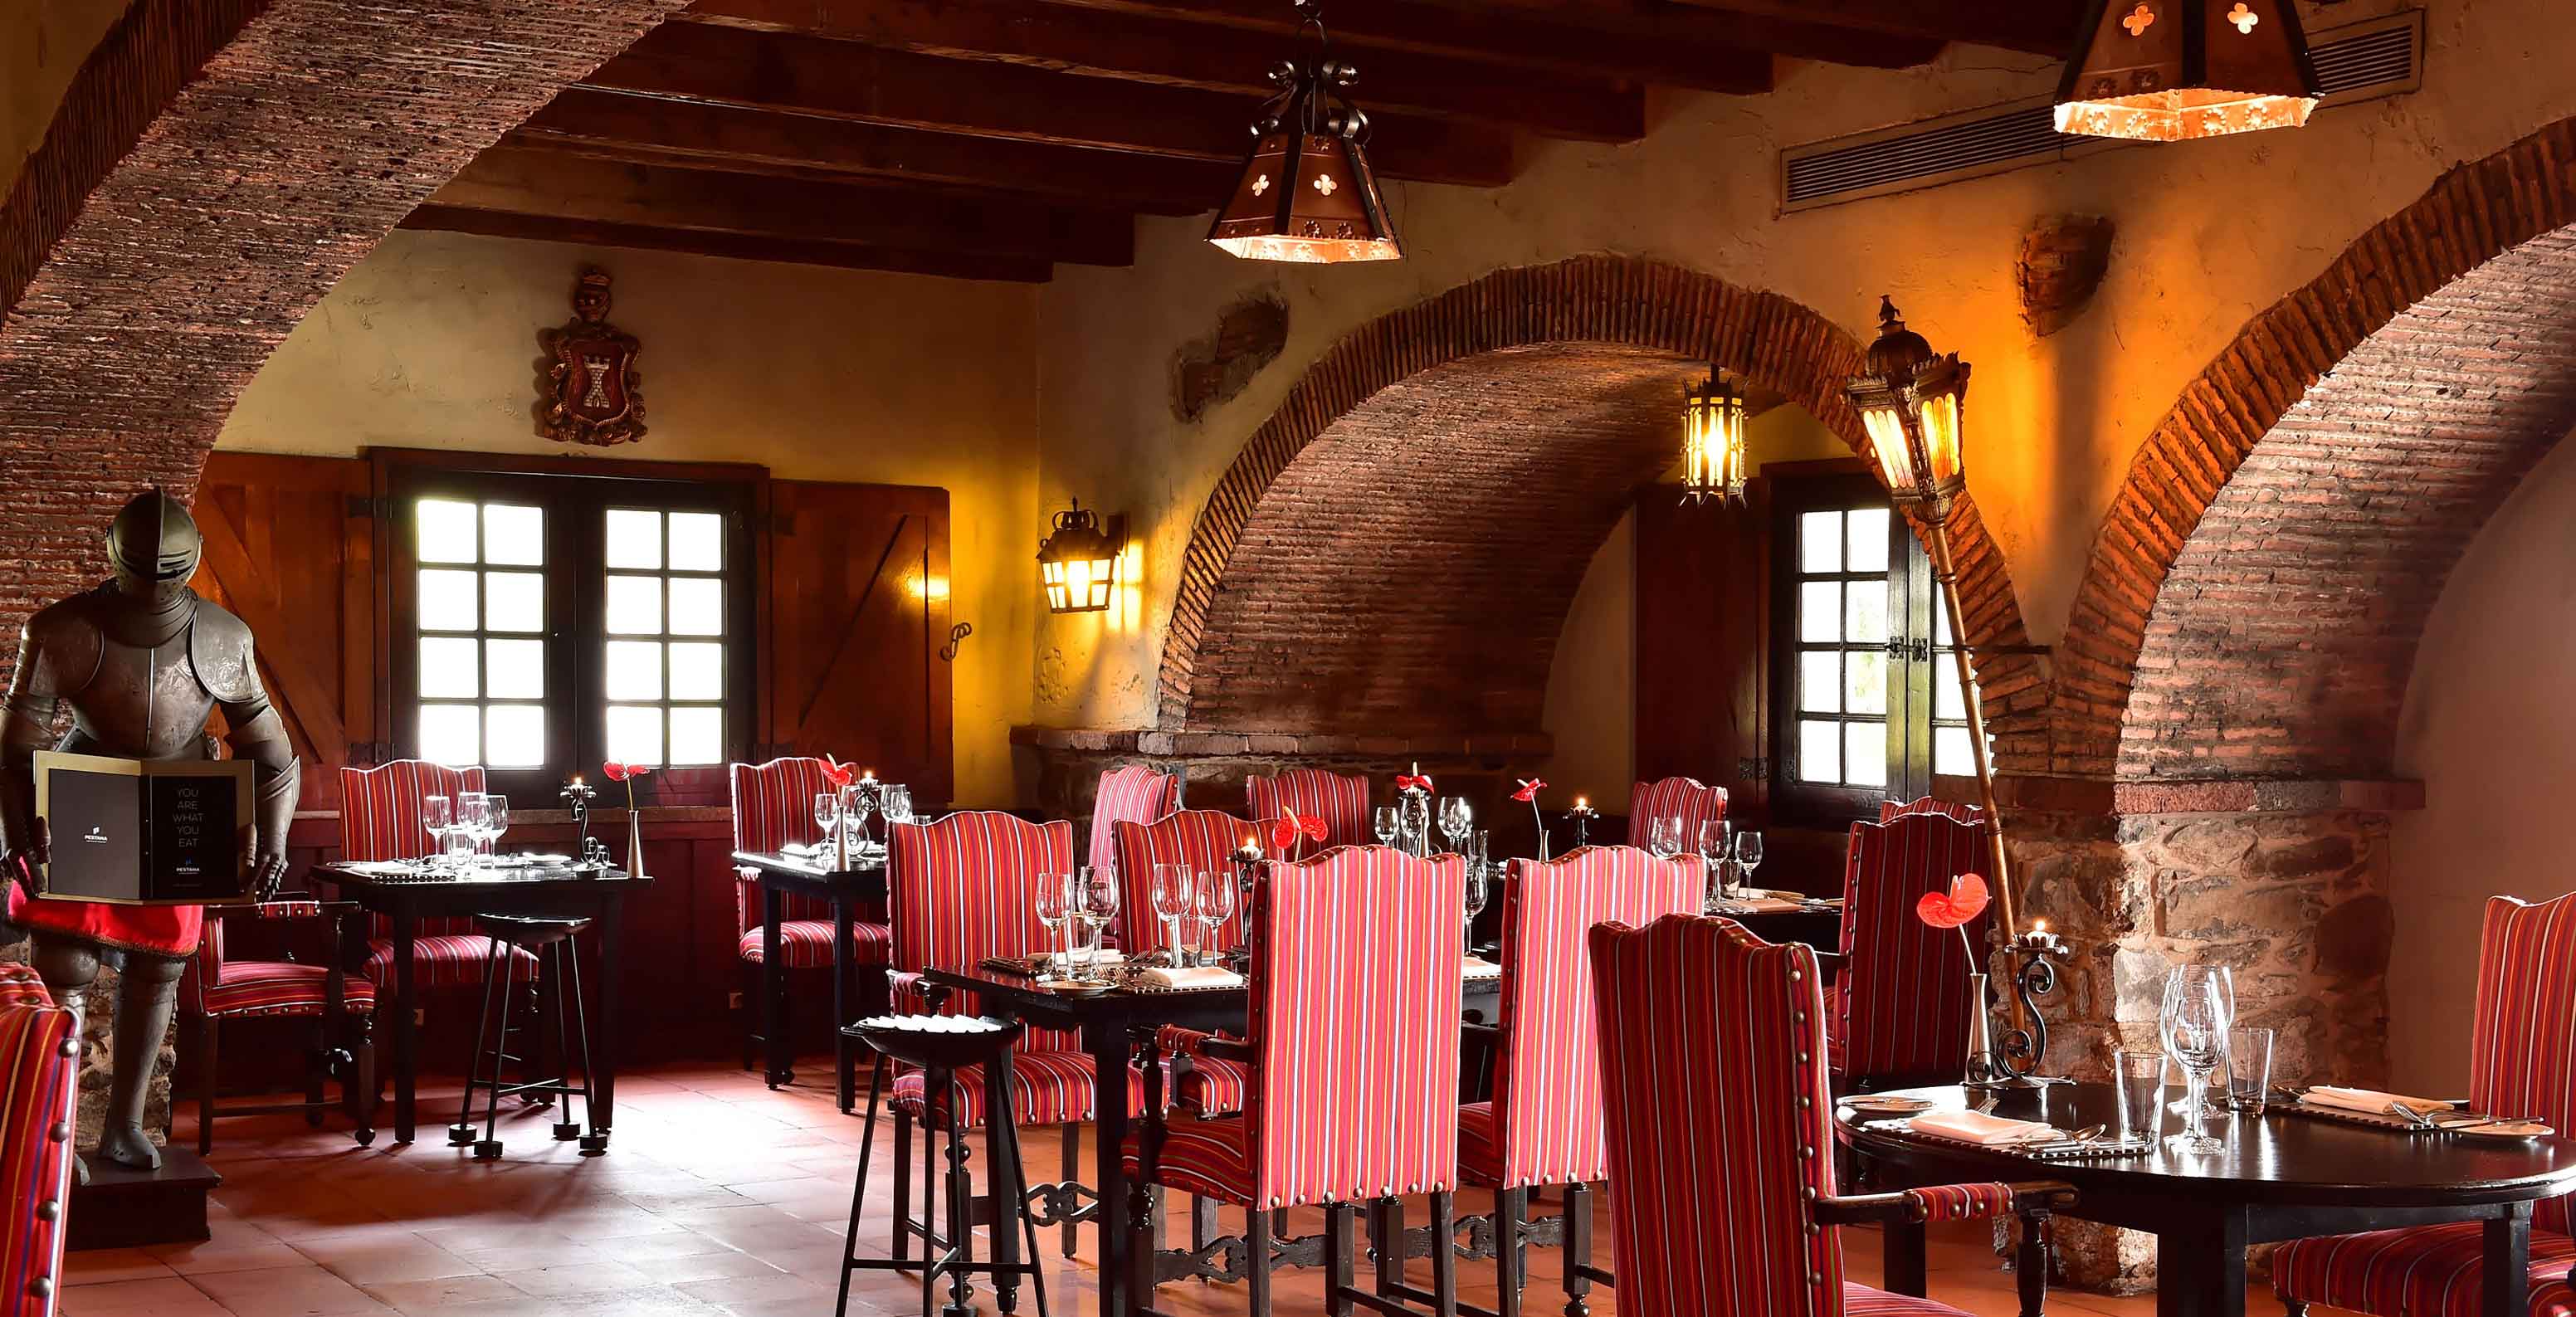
<point>2418,1118</point>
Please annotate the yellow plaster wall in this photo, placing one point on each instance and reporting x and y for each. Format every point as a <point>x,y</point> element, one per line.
<point>42,44</point>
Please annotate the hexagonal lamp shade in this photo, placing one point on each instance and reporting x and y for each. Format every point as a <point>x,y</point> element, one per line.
<point>1713,464</point>
<point>1912,400</point>
<point>1078,563</point>
<point>1306,193</point>
<point>2175,70</point>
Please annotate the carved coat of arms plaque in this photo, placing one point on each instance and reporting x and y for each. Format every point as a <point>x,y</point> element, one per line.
<point>590,393</point>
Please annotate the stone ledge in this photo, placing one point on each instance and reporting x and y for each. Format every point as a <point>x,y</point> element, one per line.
<point>2266,796</point>
<point>1276,745</point>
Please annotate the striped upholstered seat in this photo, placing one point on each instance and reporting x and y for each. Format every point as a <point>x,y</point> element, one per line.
<point>221,987</point>
<point>218,987</point>
<point>1899,1009</point>
<point>39,1077</point>
<point>2522,1061</point>
<point>1205,841</point>
<point>1341,802</point>
<point>380,820</point>
<point>1134,794</point>
<point>1684,798</point>
<point>1719,1121</point>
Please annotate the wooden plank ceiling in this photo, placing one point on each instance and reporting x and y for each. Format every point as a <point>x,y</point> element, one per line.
<point>992,139</point>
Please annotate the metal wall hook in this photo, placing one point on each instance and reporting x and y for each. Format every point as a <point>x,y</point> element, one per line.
<point>957,633</point>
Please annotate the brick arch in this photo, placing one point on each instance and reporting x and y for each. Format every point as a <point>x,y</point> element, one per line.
<point>2255,598</point>
<point>214,169</point>
<point>1625,324</point>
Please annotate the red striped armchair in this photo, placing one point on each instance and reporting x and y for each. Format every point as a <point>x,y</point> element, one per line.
<point>773,807</point>
<point>1341,802</point>
<point>1205,840</point>
<point>1134,794</point>
<point>1898,1009</point>
<point>218,987</point>
<point>1686,798</point>
<point>1357,960</point>
<point>1722,1190</point>
<point>39,1083</point>
<point>380,820</point>
<point>2522,1061</point>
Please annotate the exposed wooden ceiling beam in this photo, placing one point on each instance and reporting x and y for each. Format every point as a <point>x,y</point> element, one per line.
<point>908,219</point>
<point>1174,52</point>
<point>850,256</point>
<point>1652,42</point>
<point>849,80</point>
<point>657,130</point>
<point>2043,27</point>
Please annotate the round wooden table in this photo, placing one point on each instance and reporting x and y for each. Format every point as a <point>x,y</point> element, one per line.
<point>2281,1176</point>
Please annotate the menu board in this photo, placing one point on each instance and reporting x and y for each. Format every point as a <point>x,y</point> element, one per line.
<point>138,832</point>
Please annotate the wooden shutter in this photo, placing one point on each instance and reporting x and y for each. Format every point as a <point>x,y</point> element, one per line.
<point>290,548</point>
<point>857,615</point>
<point>1703,624</point>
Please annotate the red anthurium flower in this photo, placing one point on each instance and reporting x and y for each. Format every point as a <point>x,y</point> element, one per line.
<point>1530,787</point>
<point>1965,900</point>
<point>617,772</point>
<point>1412,782</point>
<point>836,774</point>
<point>1288,827</point>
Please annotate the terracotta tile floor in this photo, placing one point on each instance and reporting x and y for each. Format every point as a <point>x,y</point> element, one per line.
<point>719,1197</point>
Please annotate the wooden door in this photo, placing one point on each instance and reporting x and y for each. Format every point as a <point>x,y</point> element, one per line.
<point>857,618</point>
<point>1703,623</point>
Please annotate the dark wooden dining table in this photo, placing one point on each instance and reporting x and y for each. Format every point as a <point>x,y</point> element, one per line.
<point>2282,1175</point>
<point>854,892</point>
<point>550,891</point>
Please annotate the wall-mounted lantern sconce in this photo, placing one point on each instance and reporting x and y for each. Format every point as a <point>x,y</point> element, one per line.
<point>1078,563</point>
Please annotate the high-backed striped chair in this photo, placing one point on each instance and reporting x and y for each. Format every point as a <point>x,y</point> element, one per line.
<point>1684,798</point>
<point>380,820</point>
<point>39,1084</point>
<point>1134,794</point>
<point>2522,1062</point>
<point>1543,1126</point>
<point>1899,1003</point>
<point>1890,811</point>
<point>1720,1133</point>
<point>217,987</point>
<point>1205,840</point>
<point>1341,802</point>
<point>1357,957</point>
<point>773,807</point>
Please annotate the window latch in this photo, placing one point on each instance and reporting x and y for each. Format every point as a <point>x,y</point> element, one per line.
<point>1920,651</point>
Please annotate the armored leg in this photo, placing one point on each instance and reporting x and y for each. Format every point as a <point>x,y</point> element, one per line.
<point>145,998</point>
<point>68,969</point>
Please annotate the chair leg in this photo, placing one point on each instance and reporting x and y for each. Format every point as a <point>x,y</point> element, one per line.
<point>2030,1262</point>
<point>1072,1173</point>
<point>751,1039</point>
<point>566,1129</point>
<point>358,1082</point>
<point>902,1243</point>
<point>488,1148</point>
<point>1202,1222</point>
<point>1386,1238</point>
<point>461,1134</point>
<point>1444,1256</point>
<point>1511,1258</point>
<point>859,1187</point>
<point>1340,1276</point>
<point>1256,1259</point>
<point>1578,1250</point>
<point>205,1085</point>
<point>317,1072</point>
<point>961,1199</point>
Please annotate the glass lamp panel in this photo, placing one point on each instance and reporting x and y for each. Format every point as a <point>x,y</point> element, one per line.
<point>635,733</point>
<point>451,733</point>
<point>1865,682</point>
<point>448,669</point>
<point>1820,681</point>
<point>1820,542</point>
<point>1820,751</point>
<point>447,600</point>
<point>697,606</point>
<point>1865,612</point>
<point>514,601</point>
<point>1104,573</point>
<point>1869,539</point>
<point>515,736</point>
<point>1820,611</point>
<point>634,670</point>
<point>697,542</point>
<point>446,530</point>
<point>697,735</point>
<point>514,534</point>
<point>635,605</point>
<point>635,539</point>
<point>1941,436</point>
<point>1886,427</point>
<point>1865,754</point>
<point>697,673</point>
<point>515,669</point>
<point>1952,753</point>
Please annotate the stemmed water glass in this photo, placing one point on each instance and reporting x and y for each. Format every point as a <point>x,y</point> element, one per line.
<point>1456,817</point>
<point>1216,905</point>
<point>897,806</point>
<point>1172,896</point>
<point>1052,898</point>
<point>2199,1006</point>
<point>1748,856</point>
<point>1664,838</point>
<point>1476,891</point>
<point>1387,822</point>
<point>827,813</point>
<point>496,820</point>
<point>1713,845</point>
<point>436,820</point>
<point>1099,911</point>
<point>473,814</point>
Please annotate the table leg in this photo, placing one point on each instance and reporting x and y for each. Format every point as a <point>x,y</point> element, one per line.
<point>2507,1282</point>
<point>1107,1039</point>
<point>406,1032</point>
<point>2200,1263</point>
<point>773,987</point>
<point>1902,1263</point>
<point>844,1063</point>
<point>612,950</point>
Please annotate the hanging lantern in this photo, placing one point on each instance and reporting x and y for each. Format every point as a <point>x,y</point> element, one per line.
<point>1911,399</point>
<point>1306,193</point>
<point>2174,70</point>
<point>1079,562</point>
<point>1713,442</point>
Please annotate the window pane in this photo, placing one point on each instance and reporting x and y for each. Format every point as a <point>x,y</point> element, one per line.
<point>515,669</point>
<point>1865,612</point>
<point>446,600</point>
<point>1865,754</point>
<point>1865,683</point>
<point>1868,540</point>
<point>447,668</point>
<point>697,736</point>
<point>1947,704</point>
<point>697,673</point>
<point>1952,753</point>
<point>1820,681</point>
<point>697,545</point>
<point>634,539</point>
<point>635,733</point>
<point>697,606</point>
<point>1940,621</point>
<point>451,733</point>
<point>514,534</point>
<point>635,605</point>
<point>634,670</point>
<point>514,601</point>
<point>1820,542</point>
<point>516,736</point>
<point>1820,611</point>
<point>1820,752</point>
<point>446,530</point>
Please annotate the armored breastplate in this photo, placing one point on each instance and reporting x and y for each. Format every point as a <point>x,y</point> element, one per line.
<point>142,704</point>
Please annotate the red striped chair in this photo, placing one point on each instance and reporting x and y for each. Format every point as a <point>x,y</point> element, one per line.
<point>39,1085</point>
<point>380,820</point>
<point>1543,1126</point>
<point>1890,811</point>
<point>1684,798</point>
<point>773,807</point>
<point>1205,840</point>
<point>1357,958</point>
<point>1341,802</point>
<point>1898,1008</point>
<point>217,988</point>
<point>1134,794</point>
<point>1722,1187</point>
<point>2522,1061</point>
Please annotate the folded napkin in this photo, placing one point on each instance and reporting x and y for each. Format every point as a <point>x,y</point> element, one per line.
<point>803,849</point>
<point>1978,1127</point>
<point>1107,956</point>
<point>2371,1100</point>
<point>1194,976</point>
<point>1480,968</point>
<point>1768,905</point>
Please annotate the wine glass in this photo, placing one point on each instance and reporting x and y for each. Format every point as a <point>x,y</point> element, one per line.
<point>1664,838</point>
<point>2198,1008</point>
<point>1713,847</point>
<point>1051,899</point>
<point>1099,911</point>
<point>1216,905</point>
<point>496,820</point>
<point>827,813</point>
<point>898,804</point>
<point>1476,891</point>
<point>854,814</point>
<point>1172,902</point>
<point>473,813</point>
<point>1387,822</point>
<point>1456,816</point>
<point>436,820</point>
<point>1748,855</point>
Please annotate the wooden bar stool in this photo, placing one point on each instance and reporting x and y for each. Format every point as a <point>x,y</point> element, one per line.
<point>546,945</point>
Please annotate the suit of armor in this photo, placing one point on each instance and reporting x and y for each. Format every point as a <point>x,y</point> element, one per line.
<point>140,661</point>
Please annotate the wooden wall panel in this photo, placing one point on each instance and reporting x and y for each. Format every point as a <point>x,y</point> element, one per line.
<point>1703,639</point>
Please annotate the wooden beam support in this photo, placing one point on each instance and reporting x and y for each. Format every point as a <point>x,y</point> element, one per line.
<point>696,134</point>
<point>848,80</point>
<point>1174,52</point>
<point>2040,27</point>
<point>842,255</point>
<point>907,219</point>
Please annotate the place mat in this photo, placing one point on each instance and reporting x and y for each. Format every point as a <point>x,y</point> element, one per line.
<point>2041,1152</point>
<point>2375,1119</point>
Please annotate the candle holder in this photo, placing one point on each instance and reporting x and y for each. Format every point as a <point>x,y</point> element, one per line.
<point>2032,958</point>
<point>1581,817</point>
<point>589,850</point>
<point>1413,804</point>
<point>860,801</point>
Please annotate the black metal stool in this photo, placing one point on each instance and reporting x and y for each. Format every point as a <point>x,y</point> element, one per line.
<point>940,1046</point>
<point>556,956</point>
